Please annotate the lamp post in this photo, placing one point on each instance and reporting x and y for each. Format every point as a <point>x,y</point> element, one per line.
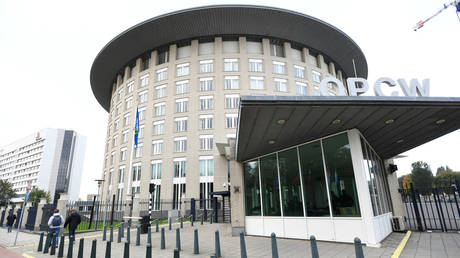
<point>99,183</point>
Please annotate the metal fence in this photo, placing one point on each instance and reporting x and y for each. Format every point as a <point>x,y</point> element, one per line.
<point>432,209</point>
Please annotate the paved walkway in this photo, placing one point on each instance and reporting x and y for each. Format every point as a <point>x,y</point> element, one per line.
<point>230,246</point>
<point>423,245</point>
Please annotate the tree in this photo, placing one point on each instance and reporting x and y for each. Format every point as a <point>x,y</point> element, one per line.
<point>442,168</point>
<point>36,194</point>
<point>6,192</point>
<point>406,181</point>
<point>400,181</point>
<point>422,176</point>
<point>446,178</point>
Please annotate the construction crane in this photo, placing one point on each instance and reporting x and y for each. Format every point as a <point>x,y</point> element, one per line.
<point>455,3</point>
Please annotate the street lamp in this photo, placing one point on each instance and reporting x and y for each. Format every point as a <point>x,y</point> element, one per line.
<point>99,183</point>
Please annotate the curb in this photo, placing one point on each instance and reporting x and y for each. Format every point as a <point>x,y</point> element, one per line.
<point>401,245</point>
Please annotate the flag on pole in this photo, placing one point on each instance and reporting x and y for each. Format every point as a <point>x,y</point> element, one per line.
<point>136,126</point>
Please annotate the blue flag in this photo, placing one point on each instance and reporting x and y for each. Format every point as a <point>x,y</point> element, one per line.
<point>136,127</point>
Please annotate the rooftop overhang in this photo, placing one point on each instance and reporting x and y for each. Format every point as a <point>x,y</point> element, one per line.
<point>222,20</point>
<point>392,125</point>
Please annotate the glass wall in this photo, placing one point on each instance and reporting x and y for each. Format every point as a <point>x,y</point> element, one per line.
<point>314,184</point>
<point>341,177</point>
<point>291,191</point>
<point>317,167</point>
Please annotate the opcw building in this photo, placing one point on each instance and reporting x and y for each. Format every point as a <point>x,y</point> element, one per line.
<point>234,94</point>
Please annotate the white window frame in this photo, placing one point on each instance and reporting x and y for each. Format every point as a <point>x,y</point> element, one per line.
<point>206,173</point>
<point>206,142</point>
<point>143,80</point>
<point>280,85</point>
<point>158,127</point>
<point>129,102</point>
<point>157,147</point>
<point>162,74</point>
<point>206,102</point>
<point>279,67</point>
<point>206,84</point>
<point>160,91</point>
<point>182,87</point>
<point>206,122</point>
<point>159,109</point>
<point>140,135</point>
<point>124,136</point>
<point>231,120</point>
<point>232,100</point>
<point>139,150</point>
<point>123,152</point>
<point>299,71</point>
<point>143,95</point>
<point>182,69</point>
<point>126,119</point>
<point>142,113</point>
<point>232,82</point>
<point>159,167</point>
<point>256,82</point>
<point>303,88</point>
<point>180,124</point>
<point>256,65</point>
<point>130,86</point>
<point>180,144</point>
<point>181,105</point>
<point>206,66</point>
<point>230,65</point>
<point>316,76</point>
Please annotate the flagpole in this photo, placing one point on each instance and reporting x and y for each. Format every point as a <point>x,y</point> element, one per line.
<point>136,127</point>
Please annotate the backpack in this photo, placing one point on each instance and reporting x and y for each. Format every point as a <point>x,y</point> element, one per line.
<point>56,221</point>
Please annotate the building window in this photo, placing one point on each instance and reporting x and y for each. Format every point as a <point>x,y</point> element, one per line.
<point>140,135</point>
<point>137,172</point>
<point>182,105</point>
<point>157,147</point>
<point>163,57</point>
<point>156,169</point>
<point>276,50</point>
<point>121,174</point>
<point>118,109</point>
<point>206,188</point>
<point>251,188</point>
<point>232,101</point>
<point>230,65</point>
<point>290,184</point>
<point>126,119</point>
<point>129,103</point>
<point>255,65</point>
<point>114,140</point>
<point>180,168</point>
<point>124,136</point>
<point>145,64</point>
<point>120,94</point>
<point>139,150</point>
<point>206,66</point>
<point>316,76</point>
<point>270,186</point>
<point>206,122</point>
<point>115,125</point>
<point>160,109</point>
<point>110,177</point>
<point>279,67</point>
<point>256,83</point>
<point>206,166</point>
<point>142,114</point>
<point>299,71</point>
<point>182,87</point>
<point>158,127</point>
<point>183,69</point>
<point>123,154</point>
<point>280,85</point>
<point>206,102</point>
<point>206,142</point>
<point>162,74</point>
<point>301,88</point>
<point>130,87</point>
<point>231,82</point>
<point>143,97</point>
<point>206,84</point>
<point>231,120</point>
<point>160,91</point>
<point>180,144</point>
<point>144,80</point>
<point>112,158</point>
<point>180,124</point>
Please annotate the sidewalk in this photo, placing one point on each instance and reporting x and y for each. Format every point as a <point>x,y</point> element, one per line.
<point>230,246</point>
<point>423,244</point>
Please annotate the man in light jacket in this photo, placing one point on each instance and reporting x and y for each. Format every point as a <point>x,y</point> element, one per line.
<point>54,223</point>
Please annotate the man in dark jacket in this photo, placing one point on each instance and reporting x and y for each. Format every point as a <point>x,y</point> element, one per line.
<point>72,220</point>
<point>10,221</point>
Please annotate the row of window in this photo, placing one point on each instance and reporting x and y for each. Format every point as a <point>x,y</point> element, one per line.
<point>156,167</point>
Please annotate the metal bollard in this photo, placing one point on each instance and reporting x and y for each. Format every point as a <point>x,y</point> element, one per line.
<point>119,235</point>
<point>70,250</point>
<point>181,223</point>
<point>178,239</point>
<point>176,253</point>
<point>191,222</point>
<point>126,250</point>
<point>196,248</point>
<point>201,220</point>
<point>243,246</point>
<point>217,244</point>
<point>149,236</point>
<point>111,233</point>
<point>156,225</point>
<point>210,219</point>
<point>274,246</point>
<point>108,251</point>
<point>162,238</point>
<point>358,248</point>
<point>61,247</point>
<point>138,236</point>
<point>128,235</point>
<point>47,243</point>
<point>148,251</point>
<point>169,221</point>
<point>104,233</point>
<point>213,256</point>
<point>80,248</point>
<point>93,249</point>
<point>53,245</point>
<point>40,242</point>
<point>122,229</point>
<point>314,247</point>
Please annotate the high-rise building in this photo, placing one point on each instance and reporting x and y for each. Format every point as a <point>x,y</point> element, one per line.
<point>50,159</point>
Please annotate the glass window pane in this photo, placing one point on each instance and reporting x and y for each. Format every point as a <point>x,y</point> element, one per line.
<point>291,192</point>
<point>339,168</point>
<point>366,166</point>
<point>314,184</point>
<point>251,188</point>
<point>270,186</point>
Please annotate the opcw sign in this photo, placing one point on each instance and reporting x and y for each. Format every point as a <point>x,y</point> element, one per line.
<point>357,86</point>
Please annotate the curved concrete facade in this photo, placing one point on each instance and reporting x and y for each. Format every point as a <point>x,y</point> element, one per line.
<point>241,65</point>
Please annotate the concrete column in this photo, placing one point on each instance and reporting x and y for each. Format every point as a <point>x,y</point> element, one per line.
<point>24,216</point>
<point>119,80</point>
<point>136,207</point>
<point>305,54</point>
<point>153,62</point>
<point>38,219</point>
<point>138,67</point>
<point>237,197</point>
<point>331,67</point>
<point>396,201</point>
<point>62,205</point>
<point>320,61</point>
<point>127,72</point>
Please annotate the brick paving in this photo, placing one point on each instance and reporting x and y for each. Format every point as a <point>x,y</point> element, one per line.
<point>436,244</point>
<point>230,246</point>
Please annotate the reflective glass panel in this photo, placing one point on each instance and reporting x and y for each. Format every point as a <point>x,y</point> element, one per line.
<point>270,186</point>
<point>251,188</point>
<point>291,191</point>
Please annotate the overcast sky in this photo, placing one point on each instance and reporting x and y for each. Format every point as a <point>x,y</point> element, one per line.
<point>47,49</point>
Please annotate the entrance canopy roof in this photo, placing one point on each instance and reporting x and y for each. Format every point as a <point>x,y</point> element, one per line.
<point>392,125</point>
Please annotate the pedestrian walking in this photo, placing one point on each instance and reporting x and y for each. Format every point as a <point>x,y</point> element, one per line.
<point>10,221</point>
<point>54,223</point>
<point>72,221</point>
